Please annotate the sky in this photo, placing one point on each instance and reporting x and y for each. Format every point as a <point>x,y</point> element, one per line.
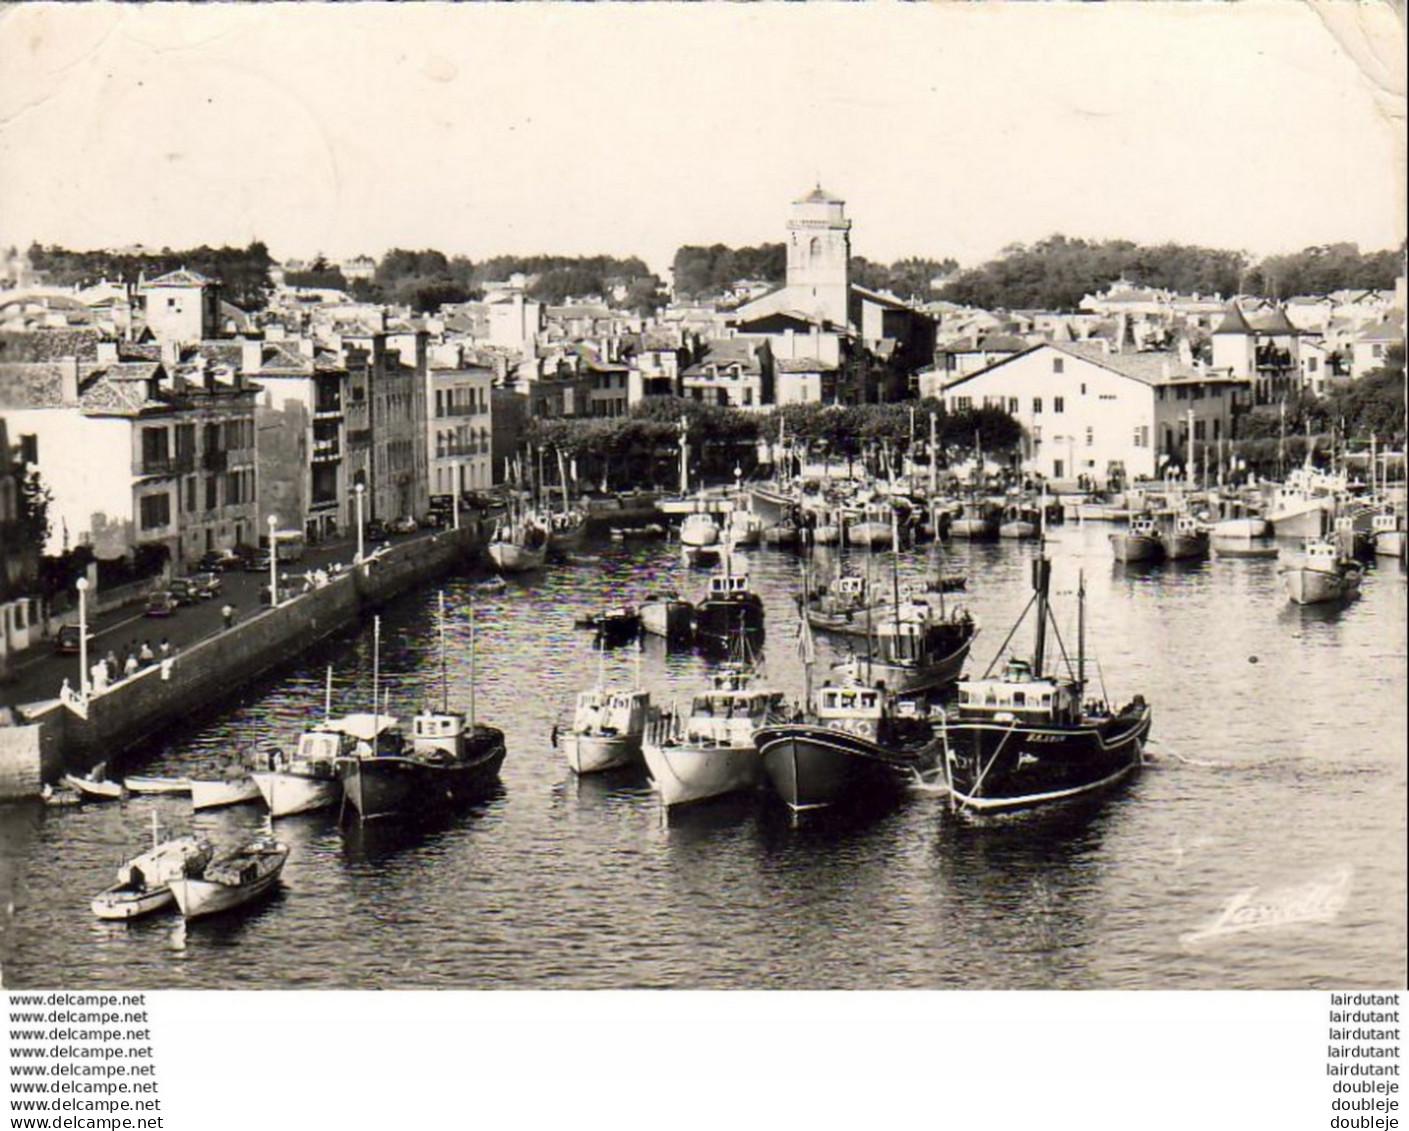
<point>949,129</point>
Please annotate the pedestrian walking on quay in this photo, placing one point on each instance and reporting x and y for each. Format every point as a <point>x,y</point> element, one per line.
<point>131,666</point>
<point>146,655</point>
<point>164,647</point>
<point>227,614</point>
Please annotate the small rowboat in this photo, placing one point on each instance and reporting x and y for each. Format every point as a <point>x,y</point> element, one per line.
<point>95,789</point>
<point>244,875</point>
<point>144,882</point>
<point>157,785</point>
<point>231,791</point>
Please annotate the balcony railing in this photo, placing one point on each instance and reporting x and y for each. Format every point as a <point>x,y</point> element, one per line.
<point>326,450</point>
<point>165,465</point>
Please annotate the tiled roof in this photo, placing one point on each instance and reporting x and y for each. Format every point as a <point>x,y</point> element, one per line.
<point>802,365</point>
<point>1233,321</point>
<point>182,278</point>
<point>1151,367</point>
<point>876,296</point>
<point>49,345</point>
<point>111,390</point>
<point>1381,332</point>
<point>1273,321</point>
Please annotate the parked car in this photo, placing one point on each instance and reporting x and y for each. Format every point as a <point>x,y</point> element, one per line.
<point>185,590</point>
<point>257,563</point>
<point>375,530</point>
<point>207,584</point>
<point>404,525</point>
<point>218,561</point>
<point>162,603</point>
<point>68,640</point>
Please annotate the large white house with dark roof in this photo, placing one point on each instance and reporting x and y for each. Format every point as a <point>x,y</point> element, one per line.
<point>1087,411</point>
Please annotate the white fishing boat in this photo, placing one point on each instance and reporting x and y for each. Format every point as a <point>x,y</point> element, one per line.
<point>224,791</point>
<point>1388,530</point>
<point>519,544</point>
<point>1319,573</point>
<point>172,786</point>
<point>699,536</point>
<point>667,615</point>
<point>743,530</point>
<point>1184,537</point>
<point>240,877</point>
<point>709,750</point>
<point>871,526</point>
<point>1302,506</point>
<point>144,882</point>
<point>308,779</point>
<point>607,729</point>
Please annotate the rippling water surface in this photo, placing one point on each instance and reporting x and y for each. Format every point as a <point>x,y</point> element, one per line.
<point>1279,758</point>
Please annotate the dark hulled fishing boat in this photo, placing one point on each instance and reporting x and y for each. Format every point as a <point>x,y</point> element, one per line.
<point>857,744</point>
<point>451,760</point>
<point>728,611</point>
<point>1025,737</point>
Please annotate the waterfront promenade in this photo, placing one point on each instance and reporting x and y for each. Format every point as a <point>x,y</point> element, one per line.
<point>39,672</point>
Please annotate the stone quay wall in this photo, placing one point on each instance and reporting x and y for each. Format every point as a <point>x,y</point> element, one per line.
<point>73,737</point>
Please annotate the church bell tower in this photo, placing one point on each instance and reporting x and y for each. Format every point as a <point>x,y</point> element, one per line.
<point>819,251</point>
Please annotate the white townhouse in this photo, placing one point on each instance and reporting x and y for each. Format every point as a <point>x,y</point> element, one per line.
<point>1087,411</point>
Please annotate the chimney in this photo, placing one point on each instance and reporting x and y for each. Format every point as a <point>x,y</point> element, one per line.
<point>251,355</point>
<point>305,346</point>
<point>69,380</point>
<point>170,355</point>
<point>107,352</point>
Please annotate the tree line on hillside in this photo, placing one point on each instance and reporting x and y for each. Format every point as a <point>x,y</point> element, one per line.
<point>1056,273</point>
<point>242,272</point>
<point>706,271</point>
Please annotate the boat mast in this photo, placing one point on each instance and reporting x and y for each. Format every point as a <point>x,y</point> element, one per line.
<point>376,659</point>
<point>562,479</point>
<point>472,663</point>
<point>934,469</point>
<point>1041,576</point>
<point>895,567</point>
<point>444,677</point>
<point>684,458</point>
<point>328,695</point>
<point>1081,633</point>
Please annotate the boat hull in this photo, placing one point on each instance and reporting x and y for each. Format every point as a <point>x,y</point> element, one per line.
<point>1136,548</point>
<point>216,794</point>
<point>594,753</point>
<point>973,529</point>
<point>1306,586</point>
<point>1389,544</point>
<point>994,765</point>
<point>1241,528</point>
<point>120,903</point>
<point>287,794</point>
<point>873,534</point>
<point>1308,521</point>
<point>673,620</point>
<point>682,774</point>
<point>510,557</point>
<point>1020,530</point>
<point>198,899</point>
<point>94,790</point>
<point>174,786</point>
<point>1185,547</point>
<point>722,622</point>
<point>817,767</point>
<point>388,787</point>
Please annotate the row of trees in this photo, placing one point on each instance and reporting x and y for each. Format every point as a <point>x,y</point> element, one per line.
<point>704,271</point>
<point>1057,272</point>
<point>242,271</point>
<point>643,446</point>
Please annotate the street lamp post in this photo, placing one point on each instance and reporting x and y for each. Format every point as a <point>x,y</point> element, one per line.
<point>455,505</point>
<point>273,521</point>
<point>83,635</point>
<point>358,492</point>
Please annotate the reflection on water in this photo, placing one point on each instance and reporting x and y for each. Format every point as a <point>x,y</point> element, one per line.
<point>1279,753</point>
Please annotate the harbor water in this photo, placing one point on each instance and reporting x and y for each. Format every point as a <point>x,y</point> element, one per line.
<point>1273,806</point>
